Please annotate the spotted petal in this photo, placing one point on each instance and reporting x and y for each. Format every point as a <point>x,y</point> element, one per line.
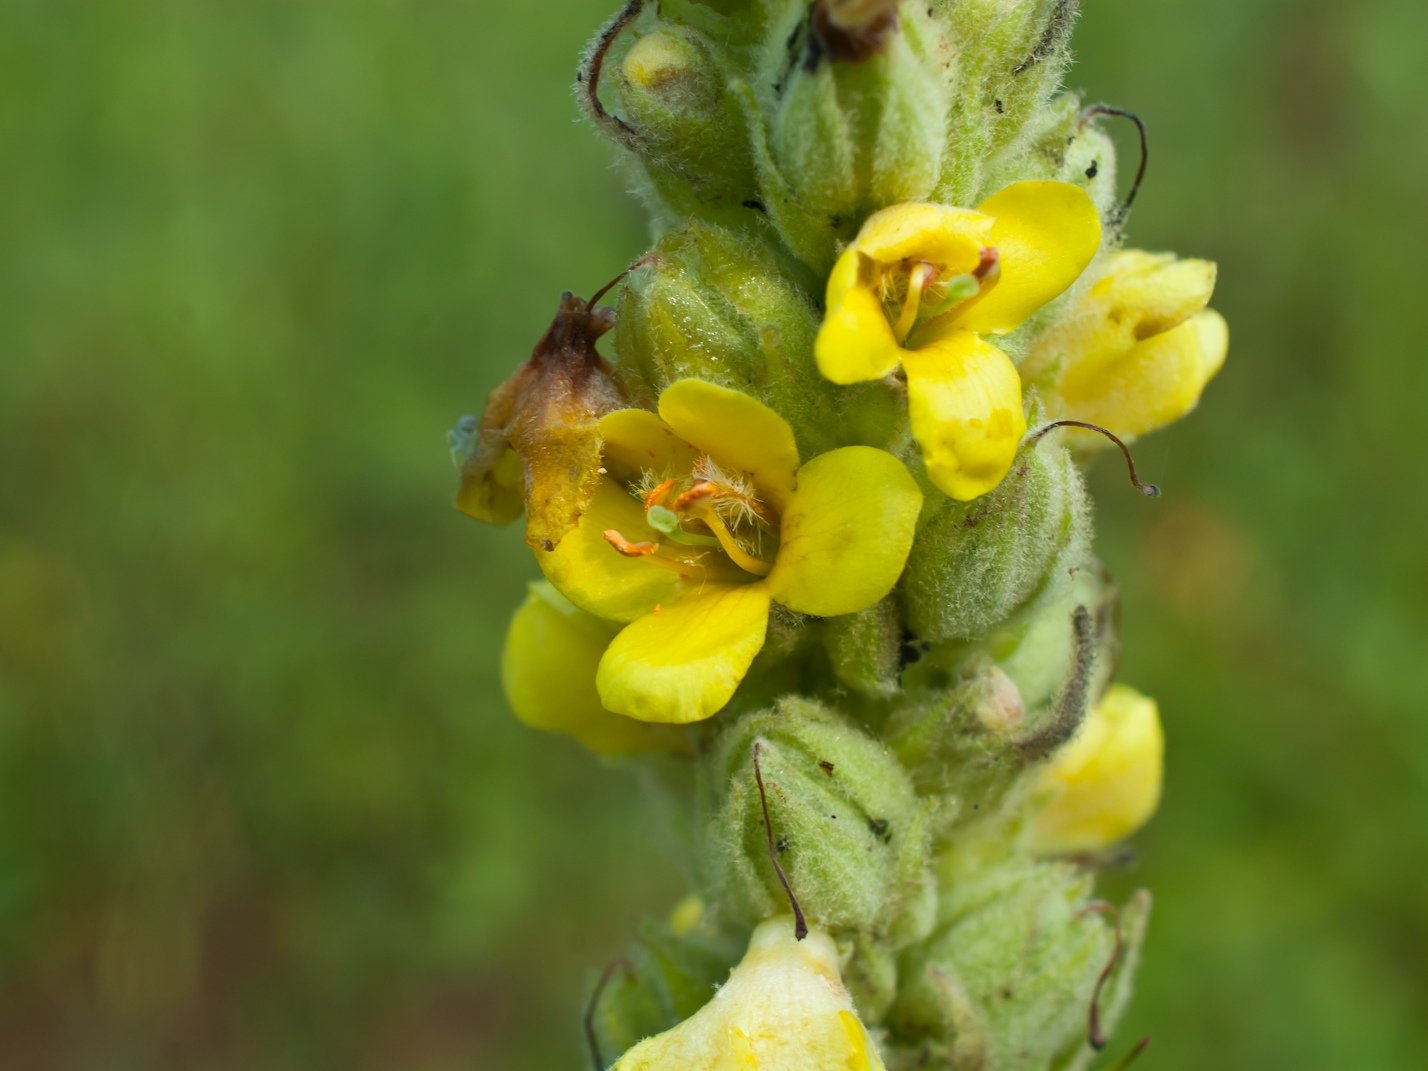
<point>964,405</point>
<point>1155,382</point>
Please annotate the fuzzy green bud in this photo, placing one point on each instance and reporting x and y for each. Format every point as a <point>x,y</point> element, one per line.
<point>717,305</point>
<point>850,833</point>
<point>973,729</point>
<point>1007,60</point>
<point>865,649</point>
<point>1009,978</point>
<point>858,122</point>
<point>684,125</point>
<point>975,563</point>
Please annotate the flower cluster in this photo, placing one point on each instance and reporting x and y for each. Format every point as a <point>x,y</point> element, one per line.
<point>800,554</point>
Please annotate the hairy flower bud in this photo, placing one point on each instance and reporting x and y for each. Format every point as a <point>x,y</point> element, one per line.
<point>975,563</point>
<point>1010,976</point>
<point>858,122</point>
<point>850,832</point>
<point>712,304</point>
<point>687,129</point>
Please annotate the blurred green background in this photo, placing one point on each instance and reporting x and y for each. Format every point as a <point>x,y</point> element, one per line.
<point>260,803</point>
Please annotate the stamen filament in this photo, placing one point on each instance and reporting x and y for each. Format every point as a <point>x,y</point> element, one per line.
<point>737,554</point>
<point>918,280</point>
<point>650,552</point>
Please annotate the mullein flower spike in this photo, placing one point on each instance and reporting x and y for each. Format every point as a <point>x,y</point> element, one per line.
<point>806,570</point>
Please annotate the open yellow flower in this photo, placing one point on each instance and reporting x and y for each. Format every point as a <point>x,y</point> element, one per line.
<point>703,517</point>
<point>1105,784</point>
<point>1135,351</point>
<point>784,1008</point>
<point>921,285</point>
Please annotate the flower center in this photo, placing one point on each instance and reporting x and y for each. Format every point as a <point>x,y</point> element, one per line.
<point>707,511</point>
<point>914,291</point>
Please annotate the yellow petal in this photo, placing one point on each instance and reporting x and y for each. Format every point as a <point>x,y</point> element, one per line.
<point>1137,295</point>
<point>548,673</point>
<point>1155,382</point>
<point>784,1008</point>
<point>846,532</point>
<point>1104,784</point>
<point>1045,233</point>
<point>952,238</point>
<point>593,575</point>
<point>737,431</point>
<point>683,662</point>
<point>637,441</point>
<point>964,405</point>
<point>855,341</point>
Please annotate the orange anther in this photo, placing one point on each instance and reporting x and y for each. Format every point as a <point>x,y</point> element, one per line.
<point>987,263</point>
<point>628,549</point>
<point>696,496</point>
<point>658,493</point>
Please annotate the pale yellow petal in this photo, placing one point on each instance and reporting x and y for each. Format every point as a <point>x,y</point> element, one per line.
<point>682,662</point>
<point>855,342</point>
<point>964,405</point>
<point>1045,234</point>
<point>1137,295</point>
<point>637,441</point>
<point>548,674</point>
<point>950,237</point>
<point>1155,382</point>
<point>737,431</point>
<point>1105,784</point>
<point>846,533</point>
<point>784,1008</point>
<point>593,575</point>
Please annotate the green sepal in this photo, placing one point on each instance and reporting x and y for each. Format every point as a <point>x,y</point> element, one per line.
<point>1007,979</point>
<point>975,563</point>
<point>853,836</point>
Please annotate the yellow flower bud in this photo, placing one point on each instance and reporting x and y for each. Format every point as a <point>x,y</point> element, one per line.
<point>784,1008</point>
<point>1104,784</point>
<point>1137,348</point>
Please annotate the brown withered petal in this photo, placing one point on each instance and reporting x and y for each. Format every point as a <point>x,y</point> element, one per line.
<point>538,443</point>
<point>850,31</point>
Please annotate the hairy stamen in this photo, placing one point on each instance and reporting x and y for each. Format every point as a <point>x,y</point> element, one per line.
<point>919,279</point>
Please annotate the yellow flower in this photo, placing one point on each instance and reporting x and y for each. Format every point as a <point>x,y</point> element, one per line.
<point>703,517</point>
<point>921,285</point>
<point>548,674</point>
<point>784,1008</point>
<point>1136,349</point>
<point>1104,784</point>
